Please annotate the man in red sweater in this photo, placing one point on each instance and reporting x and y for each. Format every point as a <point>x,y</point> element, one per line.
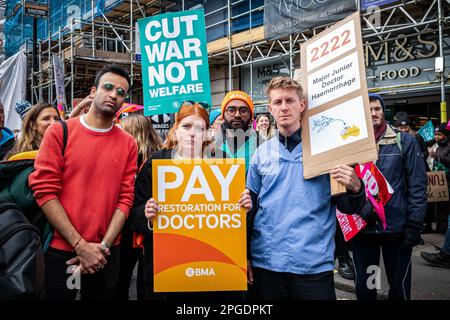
<point>86,191</point>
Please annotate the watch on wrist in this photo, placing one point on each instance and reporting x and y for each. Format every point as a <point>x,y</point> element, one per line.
<point>104,245</point>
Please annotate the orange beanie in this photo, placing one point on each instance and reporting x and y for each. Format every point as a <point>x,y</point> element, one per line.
<point>238,95</point>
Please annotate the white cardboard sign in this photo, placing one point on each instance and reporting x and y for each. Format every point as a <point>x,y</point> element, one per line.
<point>337,124</point>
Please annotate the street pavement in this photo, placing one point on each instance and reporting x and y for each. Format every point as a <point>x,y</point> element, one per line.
<point>428,283</point>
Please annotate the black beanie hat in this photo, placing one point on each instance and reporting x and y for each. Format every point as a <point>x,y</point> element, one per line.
<point>441,129</point>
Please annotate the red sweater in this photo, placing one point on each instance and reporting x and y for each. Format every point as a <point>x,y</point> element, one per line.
<point>95,177</point>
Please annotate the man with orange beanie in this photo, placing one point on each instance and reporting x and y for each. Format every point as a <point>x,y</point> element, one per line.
<point>237,139</point>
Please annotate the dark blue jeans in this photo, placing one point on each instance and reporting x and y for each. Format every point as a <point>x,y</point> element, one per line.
<point>397,263</point>
<point>101,285</point>
<point>446,247</point>
<point>270,285</point>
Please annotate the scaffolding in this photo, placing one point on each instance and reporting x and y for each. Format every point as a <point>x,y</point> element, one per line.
<point>2,33</point>
<point>108,36</point>
<point>235,35</point>
<point>86,44</point>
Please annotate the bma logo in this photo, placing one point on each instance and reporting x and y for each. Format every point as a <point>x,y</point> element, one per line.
<point>200,272</point>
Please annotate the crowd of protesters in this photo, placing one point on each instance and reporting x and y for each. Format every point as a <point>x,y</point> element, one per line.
<point>90,179</point>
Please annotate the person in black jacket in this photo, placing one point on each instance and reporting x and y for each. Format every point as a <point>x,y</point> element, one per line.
<point>404,169</point>
<point>131,250</point>
<point>186,140</point>
<point>442,156</point>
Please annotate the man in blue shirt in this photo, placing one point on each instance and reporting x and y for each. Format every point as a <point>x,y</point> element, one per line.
<point>293,222</point>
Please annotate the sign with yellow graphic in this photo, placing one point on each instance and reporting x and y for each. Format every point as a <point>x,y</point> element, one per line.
<point>337,123</point>
<point>199,233</point>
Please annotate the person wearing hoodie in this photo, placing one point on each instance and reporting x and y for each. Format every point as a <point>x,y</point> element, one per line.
<point>7,140</point>
<point>401,163</point>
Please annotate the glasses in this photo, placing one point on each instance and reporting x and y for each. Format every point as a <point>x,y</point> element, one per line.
<point>191,103</point>
<point>231,110</point>
<point>120,92</point>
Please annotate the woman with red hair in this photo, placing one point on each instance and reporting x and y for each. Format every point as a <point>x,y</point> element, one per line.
<point>187,139</point>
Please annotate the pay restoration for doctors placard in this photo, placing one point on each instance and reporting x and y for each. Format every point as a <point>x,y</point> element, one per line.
<point>199,233</point>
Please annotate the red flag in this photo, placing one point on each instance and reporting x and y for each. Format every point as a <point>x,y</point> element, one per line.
<point>378,192</point>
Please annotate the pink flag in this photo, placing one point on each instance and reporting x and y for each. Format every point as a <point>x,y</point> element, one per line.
<point>378,192</point>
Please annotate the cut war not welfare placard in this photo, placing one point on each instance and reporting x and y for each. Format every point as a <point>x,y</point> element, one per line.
<point>174,61</point>
<point>199,233</point>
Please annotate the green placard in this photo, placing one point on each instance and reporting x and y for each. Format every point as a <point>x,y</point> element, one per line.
<point>174,61</point>
<point>427,131</point>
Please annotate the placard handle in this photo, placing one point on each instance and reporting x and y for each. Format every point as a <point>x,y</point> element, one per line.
<point>336,187</point>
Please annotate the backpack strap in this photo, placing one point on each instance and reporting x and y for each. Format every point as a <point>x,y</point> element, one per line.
<point>65,134</point>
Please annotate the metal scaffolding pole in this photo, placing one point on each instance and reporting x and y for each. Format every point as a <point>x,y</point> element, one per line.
<point>41,98</point>
<point>72,75</point>
<point>291,57</point>
<point>92,28</point>
<point>441,53</point>
<point>230,71</point>
<point>50,68</point>
<point>251,80</point>
<point>131,52</point>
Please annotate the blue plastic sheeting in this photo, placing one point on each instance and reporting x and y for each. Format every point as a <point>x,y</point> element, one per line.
<point>19,28</point>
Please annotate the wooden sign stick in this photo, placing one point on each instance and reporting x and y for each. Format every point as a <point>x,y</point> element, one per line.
<point>336,187</point>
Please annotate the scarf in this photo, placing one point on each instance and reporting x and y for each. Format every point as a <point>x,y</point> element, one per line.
<point>380,130</point>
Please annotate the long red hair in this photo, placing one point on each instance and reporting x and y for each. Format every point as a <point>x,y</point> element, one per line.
<point>184,112</point>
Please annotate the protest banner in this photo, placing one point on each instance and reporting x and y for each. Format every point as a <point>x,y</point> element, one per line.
<point>427,131</point>
<point>437,187</point>
<point>366,4</point>
<point>174,61</point>
<point>284,17</point>
<point>199,233</point>
<point>58,68</point>
<point>378,189</point>
<point>378,192</point>
<point>350,224</point>
<point>337,123</point>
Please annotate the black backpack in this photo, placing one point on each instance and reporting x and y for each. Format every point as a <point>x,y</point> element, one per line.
<point>22,269</point>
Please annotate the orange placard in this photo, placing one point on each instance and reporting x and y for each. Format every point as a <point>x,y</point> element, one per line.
<point>199,234</point>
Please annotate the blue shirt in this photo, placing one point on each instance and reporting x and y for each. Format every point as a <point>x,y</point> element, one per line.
<point>295,222</point>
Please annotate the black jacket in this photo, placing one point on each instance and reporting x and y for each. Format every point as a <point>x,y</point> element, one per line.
<point>405,171</point>
<point>5,148</point>
<point>143,191</point>
<point>443,156</point>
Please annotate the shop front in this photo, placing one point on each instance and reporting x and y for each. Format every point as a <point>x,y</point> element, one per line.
<point>404,72</point>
